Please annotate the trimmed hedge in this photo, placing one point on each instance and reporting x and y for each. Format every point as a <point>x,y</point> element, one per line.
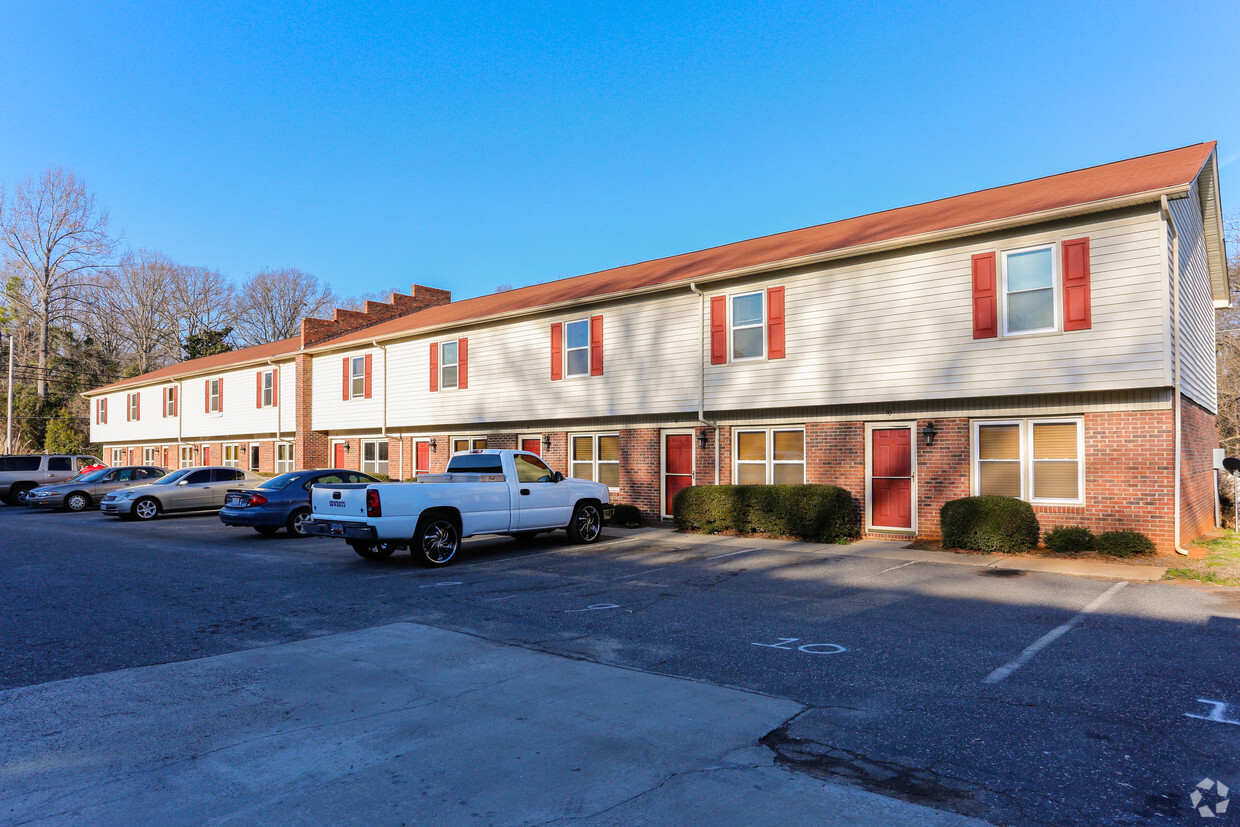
<point>819,513</point>
<point>989,523</point>
<point>1123,544</point>
<point>1069,539</point>
<point>623,515</point>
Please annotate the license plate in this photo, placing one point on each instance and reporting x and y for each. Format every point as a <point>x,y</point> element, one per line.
<point>235,500</point>
<point>336,528</point>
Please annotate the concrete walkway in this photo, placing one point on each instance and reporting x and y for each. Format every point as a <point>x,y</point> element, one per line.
<point>405,724</point>
<point>897,550</point>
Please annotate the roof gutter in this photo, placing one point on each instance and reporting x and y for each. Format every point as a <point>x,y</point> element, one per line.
<point>1176,378</point>
<point>1148,197</point>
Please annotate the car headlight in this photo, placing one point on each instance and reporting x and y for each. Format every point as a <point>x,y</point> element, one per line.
<point>126,495</point>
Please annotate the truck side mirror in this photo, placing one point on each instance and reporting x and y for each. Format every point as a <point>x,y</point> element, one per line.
<point>556,476</point>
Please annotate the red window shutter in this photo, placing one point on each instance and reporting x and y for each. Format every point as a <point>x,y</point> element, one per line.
<point>219,396</point>
<point>462,363</point>
<point>366,393</point>
<point>985,298</point>
<point>718,330</point>
<point>176,403</point>
<point>206,396</point>
<point>344,386</point>
<point>128,408</point>
<point>163,403</point>
<point>775,323</point>
<point>434,366</point>
<point>137,405</point>
<point>275,387</point>
<point>596,345</point>
<point>557,351</point>
<point>1076,311</point>
<point>258,394</point>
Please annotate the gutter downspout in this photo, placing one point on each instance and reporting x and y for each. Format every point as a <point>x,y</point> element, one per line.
<point>1176,379</point>
<point>180,416</point>
<point>384,407</point>
<point>701,414</point>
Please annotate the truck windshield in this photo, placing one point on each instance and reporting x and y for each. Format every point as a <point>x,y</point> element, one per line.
<point>475,464</point>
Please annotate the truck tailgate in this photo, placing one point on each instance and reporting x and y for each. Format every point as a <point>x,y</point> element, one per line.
<point>341,500</point>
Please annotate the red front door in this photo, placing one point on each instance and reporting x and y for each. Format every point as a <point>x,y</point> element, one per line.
<point>339,459</point>
<point>422,459</point>
<point>678,466</point>
<point>534,446</point>
<point>891,487</point>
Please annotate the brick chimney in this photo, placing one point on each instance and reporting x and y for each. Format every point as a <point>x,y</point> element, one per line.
<point>314,331</point>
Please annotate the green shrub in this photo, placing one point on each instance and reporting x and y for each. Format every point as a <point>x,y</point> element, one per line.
<point>1123,544</point>
<point>1069,539</point>
<point>626,515</point>
<point>819,513</point>
<point>989,523</point>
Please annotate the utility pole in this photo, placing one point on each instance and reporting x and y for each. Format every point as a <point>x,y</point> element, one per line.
<point>8,437</point>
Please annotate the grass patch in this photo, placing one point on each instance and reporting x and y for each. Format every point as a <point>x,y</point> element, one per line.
<point>1220,566</point>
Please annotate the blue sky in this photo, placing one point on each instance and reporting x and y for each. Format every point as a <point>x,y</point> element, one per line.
<point>466,146</point>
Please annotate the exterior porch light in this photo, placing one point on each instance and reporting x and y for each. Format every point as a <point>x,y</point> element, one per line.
<point>929,433</point>
<point>702,439</point>
<point>546,442</point>
<point>433,445</point>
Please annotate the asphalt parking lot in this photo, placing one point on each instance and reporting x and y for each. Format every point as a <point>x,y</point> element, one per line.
<point>1013,697</point>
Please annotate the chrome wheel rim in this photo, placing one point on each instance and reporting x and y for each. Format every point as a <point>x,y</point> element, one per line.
<point>440,541</point>
<point>146,509</point>
<point>76,503</point>
<point>299,523</point>
<point>588,523</point>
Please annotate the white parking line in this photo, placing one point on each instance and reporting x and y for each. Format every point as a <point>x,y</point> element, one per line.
<point>893,568</point>
<point>1051,636</point>
<point>733,553</point>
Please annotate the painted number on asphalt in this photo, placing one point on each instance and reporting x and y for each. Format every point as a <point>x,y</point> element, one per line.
<point>1218,713</point>
<point>807,648</point>
<point>595,607</point>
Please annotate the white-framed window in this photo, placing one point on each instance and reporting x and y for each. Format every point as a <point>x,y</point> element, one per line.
<point>375,457</point>
<point>132,400</point>
<point>1030,290</point>
<point>467,443</point>
<point>595,457</point>
<point>748,325</point>
<point>284,457</point>
<point>101,411</point>
<point>148,456</point>
<point>449,364</point>
<point>1039,460</point>
<point>357,377</point>
<point>232,456</point>
<point>268,395</point>
<point>213,395</point>
<point>170,401</point>
<point>187,456</point>
<point>118,456</point>
<point>768,456</point>
<point>577,348</point>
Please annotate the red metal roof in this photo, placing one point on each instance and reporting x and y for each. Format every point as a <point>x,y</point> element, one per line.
<point>1132,177</point>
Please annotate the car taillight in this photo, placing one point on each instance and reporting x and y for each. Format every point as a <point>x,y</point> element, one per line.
<point>373,509</point>
<point>256,499</point>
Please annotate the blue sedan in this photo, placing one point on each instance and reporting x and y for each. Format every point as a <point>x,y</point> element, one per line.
<point>281,501</point>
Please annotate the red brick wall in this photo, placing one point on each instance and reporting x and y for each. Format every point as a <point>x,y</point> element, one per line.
<point>942,470</point>
<point>1199,438</point>
<point>640,474</point>
<point>310,448</point>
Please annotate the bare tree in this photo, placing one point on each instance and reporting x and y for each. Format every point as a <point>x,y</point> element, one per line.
<point>132,310</point>
<point>54,238</point>
<point>1227,323</point>
<point>202,300</point>
<point>273,303</point>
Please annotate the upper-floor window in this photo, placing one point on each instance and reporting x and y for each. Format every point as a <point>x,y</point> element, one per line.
<point>1030,459</point>
<point>267,389</point>
<point>1029,290</point>
<point>577,348</point>
<point>769,456</point>
<point>134,410</point>
<point>170,401</point>
<point>101,411</point>
<point>747,326</point>
<point>215,395</point>
<point>357,376</point>
<point>448,366</point>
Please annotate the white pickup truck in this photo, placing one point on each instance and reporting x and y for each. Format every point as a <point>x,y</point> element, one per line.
<point>482,492</point>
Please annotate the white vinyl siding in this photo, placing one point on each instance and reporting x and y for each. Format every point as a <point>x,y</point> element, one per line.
<point>330,412</point>
<point>1198,363</point>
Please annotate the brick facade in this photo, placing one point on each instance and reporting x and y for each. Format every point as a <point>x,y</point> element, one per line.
<point>1198,481</point>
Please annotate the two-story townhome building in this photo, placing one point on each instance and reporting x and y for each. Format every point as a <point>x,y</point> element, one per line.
<point>1050,340</point>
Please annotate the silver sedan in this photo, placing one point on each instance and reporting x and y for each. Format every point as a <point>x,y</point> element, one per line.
<point>81,492</point>
<point>186,489</point>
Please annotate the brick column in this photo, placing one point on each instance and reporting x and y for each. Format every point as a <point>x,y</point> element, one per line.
<point>310,446</point>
